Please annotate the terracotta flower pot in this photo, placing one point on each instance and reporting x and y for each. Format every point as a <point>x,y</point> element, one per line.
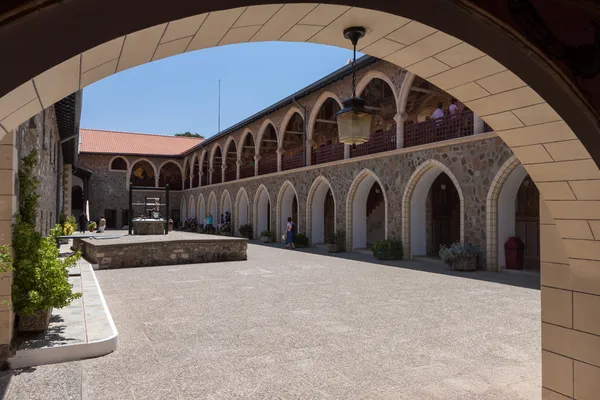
<point>37,322</point>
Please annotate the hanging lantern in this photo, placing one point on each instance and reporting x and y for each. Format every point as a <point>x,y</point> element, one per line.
<point>354,120</point>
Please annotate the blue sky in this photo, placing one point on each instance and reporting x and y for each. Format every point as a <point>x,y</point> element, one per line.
<point>179,94</point>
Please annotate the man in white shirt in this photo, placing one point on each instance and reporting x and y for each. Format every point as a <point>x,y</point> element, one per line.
<point>438,113</point>
<point>453,109</point>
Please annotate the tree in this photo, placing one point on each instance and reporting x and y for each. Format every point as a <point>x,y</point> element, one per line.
<point>190,134</point>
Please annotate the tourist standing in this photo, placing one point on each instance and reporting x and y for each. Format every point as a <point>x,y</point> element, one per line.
<point>102,225</point>
<point>209,223</point>
<point>291,233</point>
<point>83,222</point>
<point>439,112</point>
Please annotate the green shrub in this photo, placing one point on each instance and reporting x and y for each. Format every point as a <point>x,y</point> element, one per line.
<point>456,252</point>
<point>92,226</point>
<point>388,250</point>
<point>40,279</point>
<point>267,234</point>
<point>246,231</point>
<point>301,240</point>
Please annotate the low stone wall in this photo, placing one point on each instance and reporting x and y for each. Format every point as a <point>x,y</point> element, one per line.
<point>149,227</point>
<point>130,252</point>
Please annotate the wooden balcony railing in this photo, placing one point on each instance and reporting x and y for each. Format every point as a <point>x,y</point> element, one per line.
<point>327,153</point>
<point>379,142</point>
<point>267,164</point>
<point>217,177</point>
<point>246,171</point>
<point>439,129</point>
<point>230,174</point>
<point>293,161</point>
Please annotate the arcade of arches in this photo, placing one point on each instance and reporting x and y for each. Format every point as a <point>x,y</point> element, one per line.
<point>560,167</point>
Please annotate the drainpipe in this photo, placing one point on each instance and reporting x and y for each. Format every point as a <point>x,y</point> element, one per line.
<point>58,157</point>
<point>303,131</point>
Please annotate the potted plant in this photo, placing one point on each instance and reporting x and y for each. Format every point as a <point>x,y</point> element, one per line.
<point>92,226</point>
<point>301,240</point>
<point>460,257</point>
<point>267,236</point>
<point>388,250</point>
<point>246,231</point>
<point>40,278</point>
<point>336,243</point>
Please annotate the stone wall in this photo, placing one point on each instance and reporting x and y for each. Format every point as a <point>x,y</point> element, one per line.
<point>41,132</point>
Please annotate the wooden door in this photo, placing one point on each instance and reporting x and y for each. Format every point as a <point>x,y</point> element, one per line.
<point>111,218</point>
<point>527,222</point>
<point>445,207</point>
<point>329,214</point>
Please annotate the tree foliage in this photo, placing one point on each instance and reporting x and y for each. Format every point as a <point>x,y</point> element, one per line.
<point>190,134</point>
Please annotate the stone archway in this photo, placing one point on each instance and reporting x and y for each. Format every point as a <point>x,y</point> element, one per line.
<point>212,207</point>
<point>357,227</point>
<point>414,235</point>
<point>225,204</point>
<point>287,206</point>
<point>201,209</point>
<point>191,207</point>
<point>262,211</point>
<point>241,216</point>
<point>317,211</point>
<point>184,209</point>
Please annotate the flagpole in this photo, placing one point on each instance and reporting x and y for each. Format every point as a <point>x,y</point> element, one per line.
<point>219,120</point>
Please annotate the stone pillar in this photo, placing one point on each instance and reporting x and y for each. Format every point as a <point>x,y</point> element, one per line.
<point>223,169</point>
<point>8,206</point>
<point>279,159</point>
<point>400,118</point>
<point>478,125</point>
<point>256,161</point>
<point>309,144</point>
<point>346,152</point>
<point>200,176</point>
<point>238,165</point>
<point>67,185</point>
<point>211,171</point>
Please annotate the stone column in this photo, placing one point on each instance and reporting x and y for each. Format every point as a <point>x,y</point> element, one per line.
<point>478,124</point>
<point>211,171</point>
<point>200,176</point>
<point>8,206</point>
<point>279,159</point>
<point>223,169</point>
<point>67,185</point>
<point>256,161</point>
<point>238,165</point>
<point>400,118</point>
<point>309,144</point>
<point>346,151</point>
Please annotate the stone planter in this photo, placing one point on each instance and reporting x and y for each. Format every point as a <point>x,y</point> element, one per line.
<point>267,239</point>
<point>38,322</point>
<point>334,248</point>
<point>465,264</point>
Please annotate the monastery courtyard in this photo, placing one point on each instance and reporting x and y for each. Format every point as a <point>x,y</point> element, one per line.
<point>306,325</point>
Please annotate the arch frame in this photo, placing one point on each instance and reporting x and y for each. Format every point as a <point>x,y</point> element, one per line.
<point>286,120</point>
<point>242,140</point>
<point>118,170</point>
<point>409,189</point>
<point>213,152</point>
<point>212,197</point>
<point>257,195</point>
<point>358,179</point>
<point>376,74</point>
<point>224,196</point>
<point>199,202</point>
<point>227,145</point>
<point>284,187</point>
<point>236,217</point>
<point>192,206</point>
<point>183,208</point>
<point>319,180</point>
<point>133,165</point>
<point>263,127</point>
<point>314,111</point>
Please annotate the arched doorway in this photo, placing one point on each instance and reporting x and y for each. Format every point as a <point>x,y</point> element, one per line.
<point>170,174</point>
<point>225,205</point>
<point>143,174</point>
<point>267,163</point>
<point>192,207</point>
<point>443,215</point>
<point>326,146</point>
<point>293,142</point>
<point>184,209</point>
<point>201,210</point>
<point>247,152</point>
<point>212,208</point>
<point>262,211</point>
<point>321,210</point>
<point>367,205</point>
<point>288,207</point>
<point>77,200</point>
<point>242,211</point>
<point>527,222</point>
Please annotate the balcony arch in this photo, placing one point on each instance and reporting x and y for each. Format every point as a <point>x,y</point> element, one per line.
<point>118,163</point>
<point>267,148</point>
<point>323,132</point>
<point>292,141</point>
<point>216,164</point>
<point>247,152</point>
<point>241,216</point>
<point>171,173</point>
<point>143,172</point>
<point>231,157</point>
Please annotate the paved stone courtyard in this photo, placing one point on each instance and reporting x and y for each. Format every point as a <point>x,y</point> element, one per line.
<point>294,325</point>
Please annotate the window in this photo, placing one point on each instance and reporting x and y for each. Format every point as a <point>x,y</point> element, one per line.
<point>118,164</point>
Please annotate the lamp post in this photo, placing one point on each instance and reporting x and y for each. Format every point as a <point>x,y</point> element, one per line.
<point>354,120</point>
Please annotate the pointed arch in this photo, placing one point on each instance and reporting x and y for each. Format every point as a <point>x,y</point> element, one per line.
<point>194,171</point>
<point>213,152</point>
<point>407,83</point>
<point>261,210</point>
<point>317,107</point>
<point>204,167</point>
<point>285,199</point>
<point>413,204</point>
<point>212,206</point>
<point>286,120</point>
<point>263,128</point>
<point>315,210</point>
<point>200,209</point>
<point>241,215</point>
<point>116,159</point>
<point>171,173</point>
<point>356,214</point>
<point>139,160</point>
<point>183,209</point>
<point>242,141</point>
<point>225,203</point>
<point>374,74</point>
<point>191,207</point>
<point>511,173</point>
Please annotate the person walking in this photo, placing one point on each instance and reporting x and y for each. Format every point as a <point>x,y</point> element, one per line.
<point>83,222</point>
<point>291,233</point>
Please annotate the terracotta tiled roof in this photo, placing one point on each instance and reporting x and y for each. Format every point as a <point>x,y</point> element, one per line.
<point>112,142</point>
